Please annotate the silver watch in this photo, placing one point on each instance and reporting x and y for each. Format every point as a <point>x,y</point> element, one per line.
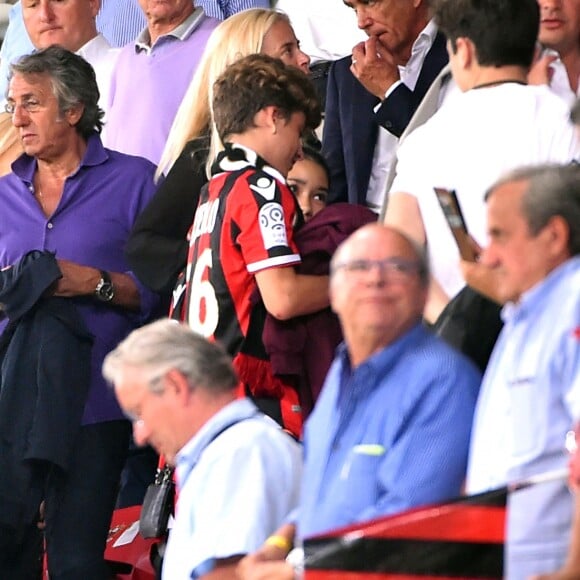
<point>105,291</point>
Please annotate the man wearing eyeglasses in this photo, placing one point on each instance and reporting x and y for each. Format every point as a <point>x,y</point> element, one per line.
<point>391,428</point>
<point>392,425</point>
<point>70,197</point>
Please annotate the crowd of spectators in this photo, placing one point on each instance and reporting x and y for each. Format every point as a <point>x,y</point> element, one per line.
<point>359,224</point>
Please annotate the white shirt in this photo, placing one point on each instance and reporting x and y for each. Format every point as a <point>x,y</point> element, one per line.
<point>474,139</point>
<point>560,83</point>
<point>386,145</point>
<point>101,56</point>
<point>326,29</point>
<point>234,490</point>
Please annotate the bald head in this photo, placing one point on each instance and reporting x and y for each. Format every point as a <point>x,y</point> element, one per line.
<point>379,234</point>
<point>378,288</point>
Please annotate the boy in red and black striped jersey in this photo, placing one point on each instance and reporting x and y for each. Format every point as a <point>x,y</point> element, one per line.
<point>242,254</point>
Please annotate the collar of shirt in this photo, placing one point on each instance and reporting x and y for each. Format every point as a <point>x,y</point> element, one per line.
<point>535,297</point>
<point>359,382</point>
<point>97,44</point>
<point>235,157</point>
<point>25,166</point>
<point>180,32</point>
<point>410,72</point>
<point>559,80</point>
<point>189,455</point>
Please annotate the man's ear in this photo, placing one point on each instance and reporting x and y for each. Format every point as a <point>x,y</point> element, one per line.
<point>267,118</point>
<point>177,384</point>
<point>73,115</point>
<point>557,233</point>
<point>465,52</point>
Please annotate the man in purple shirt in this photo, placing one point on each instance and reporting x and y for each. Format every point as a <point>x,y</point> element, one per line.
<point>70,196</point>
<point>152,74</point>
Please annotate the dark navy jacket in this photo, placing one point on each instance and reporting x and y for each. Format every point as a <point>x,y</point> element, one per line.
<point>44,378</point>
<point>351,126</point>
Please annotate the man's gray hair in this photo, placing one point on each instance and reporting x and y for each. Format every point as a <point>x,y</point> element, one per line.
<point>553,190</point>
<point>165,345</point>
<point>73,83</point>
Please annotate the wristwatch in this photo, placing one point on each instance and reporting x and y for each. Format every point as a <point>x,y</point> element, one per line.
<point>105,291</point>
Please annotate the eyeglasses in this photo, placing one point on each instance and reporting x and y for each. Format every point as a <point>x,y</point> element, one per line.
<point>29,105</point>
<point>393,269</point>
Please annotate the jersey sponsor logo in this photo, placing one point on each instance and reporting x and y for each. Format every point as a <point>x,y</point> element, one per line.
<point>205,219</point>
<point>264,187</point>
<point>272,226</point>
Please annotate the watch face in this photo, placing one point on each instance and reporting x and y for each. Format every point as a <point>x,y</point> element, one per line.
<point>105,290</point>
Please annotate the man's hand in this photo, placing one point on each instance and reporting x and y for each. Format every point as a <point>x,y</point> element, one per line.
<point>374,67</point>
<point>481,278</point>
<point>76,280</point>
<point>252,569</point>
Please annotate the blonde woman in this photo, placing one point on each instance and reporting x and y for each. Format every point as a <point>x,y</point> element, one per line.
<point>157,248</point>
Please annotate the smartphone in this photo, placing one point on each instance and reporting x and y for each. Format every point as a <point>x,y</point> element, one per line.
<point>452,212</point>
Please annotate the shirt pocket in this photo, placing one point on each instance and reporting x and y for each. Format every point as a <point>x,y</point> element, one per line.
<point>357,483</point>
<point>528,416</point>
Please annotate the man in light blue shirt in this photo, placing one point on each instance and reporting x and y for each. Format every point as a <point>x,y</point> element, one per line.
<point>530,396</point>
<point>238,474</point>
<point>391,428</point>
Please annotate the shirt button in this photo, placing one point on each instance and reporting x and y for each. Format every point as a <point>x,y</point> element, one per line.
<point>50,226</point>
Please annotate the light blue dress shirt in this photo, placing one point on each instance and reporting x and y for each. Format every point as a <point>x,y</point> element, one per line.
<point>530,398</point>
<point>235,489</point>
<point>16,43</point>
<point>222,9</point>
<point>391,434</point>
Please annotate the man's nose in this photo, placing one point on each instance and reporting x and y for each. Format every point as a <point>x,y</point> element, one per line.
<point>488,255</point>
<point>20,116</point>
<point>378,273</point>
<point>363,17</point>
<point>45,11</point>
<point>140,433</point>
<point>303,61</point>
<point>547,5</point>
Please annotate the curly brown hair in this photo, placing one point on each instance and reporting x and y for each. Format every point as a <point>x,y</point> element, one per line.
<point>258,81</point>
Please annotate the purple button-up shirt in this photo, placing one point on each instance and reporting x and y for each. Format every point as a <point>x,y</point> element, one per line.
<point>90,226</point>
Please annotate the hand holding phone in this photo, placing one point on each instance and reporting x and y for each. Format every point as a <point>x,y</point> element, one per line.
<point>452,212</point>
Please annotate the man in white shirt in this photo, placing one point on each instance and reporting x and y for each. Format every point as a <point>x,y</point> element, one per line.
<point>559,64</point>
<point>238,474</point>
<point>72,25</point>
<point>496,124</point>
